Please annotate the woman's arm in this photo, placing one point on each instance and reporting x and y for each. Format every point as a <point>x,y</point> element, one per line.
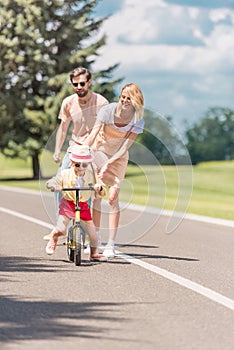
<point>90,139</point>
<point>124,147</point>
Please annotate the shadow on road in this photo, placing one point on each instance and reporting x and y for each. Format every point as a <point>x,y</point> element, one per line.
<point>153,256</point>
<point>35,320</point>
<point>136,246</point>
<point>25,264</point>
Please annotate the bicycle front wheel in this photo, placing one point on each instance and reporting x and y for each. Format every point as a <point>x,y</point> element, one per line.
<point>77,256</point>
<point>71,244</point>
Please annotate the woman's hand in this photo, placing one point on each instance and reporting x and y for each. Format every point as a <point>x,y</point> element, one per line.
<point>100,189</point>
<point>103,171</point>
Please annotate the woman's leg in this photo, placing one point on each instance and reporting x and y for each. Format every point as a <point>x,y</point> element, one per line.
<point>114,215</point>
<point>96,214</point>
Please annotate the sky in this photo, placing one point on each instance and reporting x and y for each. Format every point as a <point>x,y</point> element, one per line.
<point>180,53</point>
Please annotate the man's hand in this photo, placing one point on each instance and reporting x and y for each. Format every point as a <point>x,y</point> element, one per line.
<point>56,157</point>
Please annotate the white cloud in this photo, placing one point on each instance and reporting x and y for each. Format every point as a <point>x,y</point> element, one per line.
<point>221,39</point>
<point>152,40</point>
<point>193,12</point>
<point>218,15</point>
<point>179,100</point>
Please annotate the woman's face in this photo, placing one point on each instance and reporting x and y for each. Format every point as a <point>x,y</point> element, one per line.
<point>125,99</point>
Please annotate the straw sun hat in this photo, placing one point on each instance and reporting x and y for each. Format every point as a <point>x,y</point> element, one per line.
<point>80,154</point>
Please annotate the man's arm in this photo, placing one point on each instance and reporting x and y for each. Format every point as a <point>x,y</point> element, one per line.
<point>90,139</point>
<point>60,138</point>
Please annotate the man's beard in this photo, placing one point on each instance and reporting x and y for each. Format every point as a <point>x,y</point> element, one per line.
<point>83,93</point>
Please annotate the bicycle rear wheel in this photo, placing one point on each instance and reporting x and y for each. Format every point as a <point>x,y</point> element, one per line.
<point>77,251</point>
<point>70,244</point>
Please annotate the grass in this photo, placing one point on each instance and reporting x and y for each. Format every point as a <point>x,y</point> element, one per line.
<point>206,189</point>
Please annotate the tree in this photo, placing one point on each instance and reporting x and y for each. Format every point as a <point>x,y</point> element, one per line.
<point>162,144</point>
<point>213,137</point>
<point>41,42</point>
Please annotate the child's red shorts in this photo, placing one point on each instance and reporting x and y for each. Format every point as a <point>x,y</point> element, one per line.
<point>67,208</point>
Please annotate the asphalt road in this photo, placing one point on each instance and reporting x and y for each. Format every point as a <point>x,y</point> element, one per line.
<point>163,291</point>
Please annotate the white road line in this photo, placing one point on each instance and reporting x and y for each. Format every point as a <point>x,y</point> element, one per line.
<point>208,293</point>
<point>141,208</point>
<point>26,217</point>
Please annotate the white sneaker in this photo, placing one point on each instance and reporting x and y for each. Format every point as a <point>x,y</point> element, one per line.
<point>87,249</point>
<point>109,252</point>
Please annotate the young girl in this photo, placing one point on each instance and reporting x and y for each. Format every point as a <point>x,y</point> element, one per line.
<point>76,176</point>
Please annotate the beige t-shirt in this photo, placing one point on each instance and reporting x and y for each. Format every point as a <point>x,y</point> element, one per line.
<point>83,116</point>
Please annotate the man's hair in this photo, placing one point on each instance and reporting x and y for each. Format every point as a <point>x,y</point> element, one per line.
<point>79,71</point>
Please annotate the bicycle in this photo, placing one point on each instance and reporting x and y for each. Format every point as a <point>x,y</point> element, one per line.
<point>76,233</point>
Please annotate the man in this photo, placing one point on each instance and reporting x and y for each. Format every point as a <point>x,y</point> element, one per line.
<point>80,109</point>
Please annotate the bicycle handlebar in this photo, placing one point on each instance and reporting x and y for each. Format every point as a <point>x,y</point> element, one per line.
<point>78,189</point>
<point>90,188</point>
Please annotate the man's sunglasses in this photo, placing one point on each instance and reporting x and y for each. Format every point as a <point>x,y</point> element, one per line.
<point>82,84</point>
<point>78,165</point>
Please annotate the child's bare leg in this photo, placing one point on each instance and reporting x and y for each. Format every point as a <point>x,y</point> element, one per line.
<point>96,206</point>
<point>59,230</point>
<point>91,230</point>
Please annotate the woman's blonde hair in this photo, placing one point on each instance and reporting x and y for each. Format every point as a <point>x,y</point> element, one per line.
<point>137,100</point>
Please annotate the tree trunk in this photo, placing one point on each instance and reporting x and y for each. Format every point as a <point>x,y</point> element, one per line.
<point>36,165</point>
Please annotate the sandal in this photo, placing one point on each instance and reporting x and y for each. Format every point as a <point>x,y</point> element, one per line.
<point>51,246</point>
<point>98,257</point>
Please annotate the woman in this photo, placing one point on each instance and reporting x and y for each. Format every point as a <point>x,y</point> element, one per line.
<point>115,130</point>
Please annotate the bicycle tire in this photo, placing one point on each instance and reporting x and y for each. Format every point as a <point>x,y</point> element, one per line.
<point>77,257</point>
<point>70,245</point>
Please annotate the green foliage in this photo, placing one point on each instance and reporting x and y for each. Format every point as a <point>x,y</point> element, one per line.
<point>41,42</point>
<point>153,186</point>
<point>162,144</point>
<point>213,137</point>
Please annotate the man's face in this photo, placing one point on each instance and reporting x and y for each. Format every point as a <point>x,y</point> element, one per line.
<point>81,85</point>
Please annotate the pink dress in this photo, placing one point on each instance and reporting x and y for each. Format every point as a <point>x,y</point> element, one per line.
<point>109,140</point>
